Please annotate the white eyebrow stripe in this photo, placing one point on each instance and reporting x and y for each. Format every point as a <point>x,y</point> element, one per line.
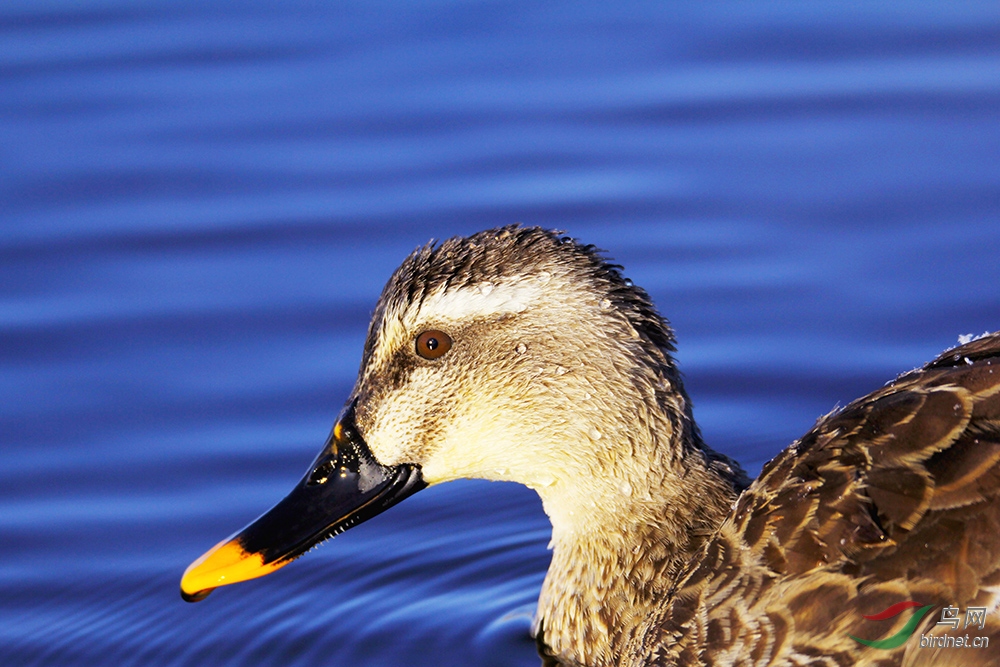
<point>481,300</point>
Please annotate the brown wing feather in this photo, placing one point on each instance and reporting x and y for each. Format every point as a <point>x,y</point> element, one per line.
<point>895,497</point>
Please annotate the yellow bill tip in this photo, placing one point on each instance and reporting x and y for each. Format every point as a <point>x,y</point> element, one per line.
<point>225,563</point>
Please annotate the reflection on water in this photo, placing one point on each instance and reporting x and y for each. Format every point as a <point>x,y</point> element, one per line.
<point>200,204</point>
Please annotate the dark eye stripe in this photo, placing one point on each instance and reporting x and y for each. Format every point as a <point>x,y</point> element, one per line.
<point>432,344</point>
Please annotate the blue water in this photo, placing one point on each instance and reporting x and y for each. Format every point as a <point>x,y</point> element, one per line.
<point>200,202</point>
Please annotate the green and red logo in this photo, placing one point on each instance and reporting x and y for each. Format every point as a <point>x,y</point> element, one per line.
<point>905,632</point>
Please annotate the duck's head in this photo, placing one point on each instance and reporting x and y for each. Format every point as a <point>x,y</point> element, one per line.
<point>514,354</point>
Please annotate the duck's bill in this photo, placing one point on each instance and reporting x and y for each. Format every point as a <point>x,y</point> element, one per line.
<point>344,486</point>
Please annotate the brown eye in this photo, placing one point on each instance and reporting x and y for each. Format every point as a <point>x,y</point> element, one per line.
<point>432,344</point>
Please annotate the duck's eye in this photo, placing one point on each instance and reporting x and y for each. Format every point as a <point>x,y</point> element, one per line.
<point>432,344</point>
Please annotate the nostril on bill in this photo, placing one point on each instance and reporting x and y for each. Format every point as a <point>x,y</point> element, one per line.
<point>321,473</point>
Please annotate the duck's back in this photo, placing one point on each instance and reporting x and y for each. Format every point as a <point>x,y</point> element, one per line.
<point>895,498</point>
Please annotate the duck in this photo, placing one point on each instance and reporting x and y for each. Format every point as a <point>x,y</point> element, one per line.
<point>520,354</point>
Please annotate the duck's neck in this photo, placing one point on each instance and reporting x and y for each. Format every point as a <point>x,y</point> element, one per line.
<point>607,573</point>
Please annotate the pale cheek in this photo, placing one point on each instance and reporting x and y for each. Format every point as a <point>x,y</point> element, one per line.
<point>482,443</point>
<point>392,439</point>
<point>385,447</point>
<point>398,431</point>
<point>462,449</point>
